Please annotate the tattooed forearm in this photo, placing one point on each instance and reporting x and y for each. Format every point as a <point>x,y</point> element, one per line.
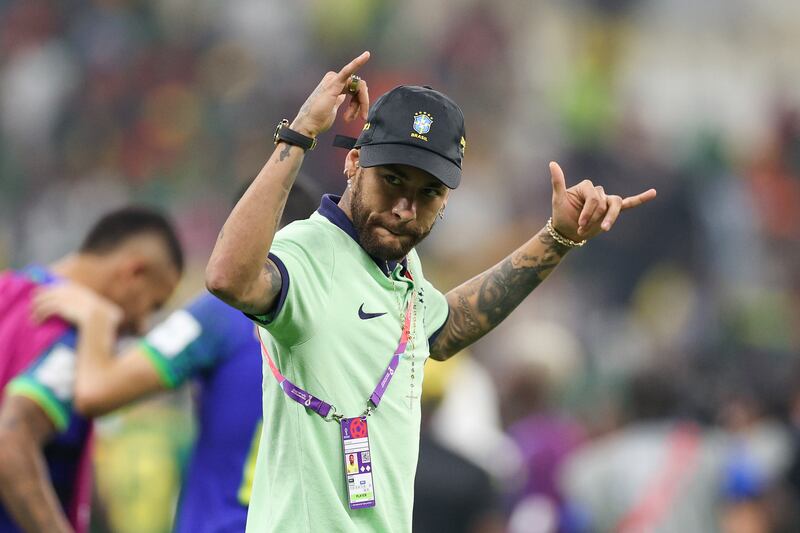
<point>285,152</point>
<point>481,303</point>
<point>461,324</point>
<point>235,271</point>
<point>286,187</point>
<point>467,316</point>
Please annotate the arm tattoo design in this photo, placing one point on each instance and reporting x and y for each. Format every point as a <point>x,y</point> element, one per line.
<point>274,276</point>
<point>481,303</point>
<point>285,151</point>
<point>272,289</point>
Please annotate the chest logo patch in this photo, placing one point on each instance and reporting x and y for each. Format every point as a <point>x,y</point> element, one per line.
<point>366,316</point>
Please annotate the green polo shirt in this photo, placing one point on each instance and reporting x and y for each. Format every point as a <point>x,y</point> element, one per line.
<point>325,338</point>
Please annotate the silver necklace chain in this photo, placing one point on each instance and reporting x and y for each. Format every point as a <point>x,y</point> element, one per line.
<point>411,349</point>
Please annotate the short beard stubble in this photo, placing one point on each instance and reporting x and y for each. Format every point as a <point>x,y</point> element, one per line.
<point>370,242</point>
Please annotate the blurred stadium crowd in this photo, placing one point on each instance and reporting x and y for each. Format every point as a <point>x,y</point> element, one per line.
<point>653,378</point>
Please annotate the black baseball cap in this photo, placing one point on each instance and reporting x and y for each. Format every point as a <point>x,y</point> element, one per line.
<point>415,126</point>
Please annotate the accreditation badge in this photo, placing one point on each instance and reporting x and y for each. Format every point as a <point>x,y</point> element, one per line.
<point>357,463</point>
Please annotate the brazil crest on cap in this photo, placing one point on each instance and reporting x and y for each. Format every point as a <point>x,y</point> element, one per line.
<point>434,142</point>
<point>422,122</point>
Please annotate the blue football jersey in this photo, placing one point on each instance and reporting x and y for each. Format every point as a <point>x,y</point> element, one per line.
<point>216,345</point>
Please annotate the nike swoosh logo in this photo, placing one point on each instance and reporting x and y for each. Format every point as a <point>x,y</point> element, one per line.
<point>366,316</point>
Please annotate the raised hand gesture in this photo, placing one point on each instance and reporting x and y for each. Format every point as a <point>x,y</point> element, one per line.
<point>319,110</point>
<point>585,210</point>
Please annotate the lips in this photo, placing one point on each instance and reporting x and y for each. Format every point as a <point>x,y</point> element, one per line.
<point>397,233</point>
<point>403,231</point>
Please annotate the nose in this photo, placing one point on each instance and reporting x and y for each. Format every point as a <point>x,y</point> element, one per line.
<point>405,209</point>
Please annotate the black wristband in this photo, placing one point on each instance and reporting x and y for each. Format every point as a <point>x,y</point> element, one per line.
<point>289,136</point>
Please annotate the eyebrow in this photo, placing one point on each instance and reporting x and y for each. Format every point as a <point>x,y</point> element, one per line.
<point>395,169</point>
<point>432,182</point>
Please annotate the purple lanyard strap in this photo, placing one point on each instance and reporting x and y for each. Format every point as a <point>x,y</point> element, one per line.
<point>324,409</point>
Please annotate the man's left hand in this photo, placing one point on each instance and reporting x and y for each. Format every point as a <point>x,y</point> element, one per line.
<point>585,210</point>
<point>74,303</point>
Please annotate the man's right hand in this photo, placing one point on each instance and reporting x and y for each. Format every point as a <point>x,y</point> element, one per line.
<point>319,110</point>
<point>237,272</point>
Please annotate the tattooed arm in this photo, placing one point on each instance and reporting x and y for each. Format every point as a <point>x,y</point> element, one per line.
<point>236,272</point>
<point>25,487</point>
<point>581,212</point>
<point>480,304</point>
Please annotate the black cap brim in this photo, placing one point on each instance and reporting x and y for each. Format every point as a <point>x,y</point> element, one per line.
<point>373,155</point>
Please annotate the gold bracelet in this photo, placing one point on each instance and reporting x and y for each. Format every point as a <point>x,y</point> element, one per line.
<point>560,239</point>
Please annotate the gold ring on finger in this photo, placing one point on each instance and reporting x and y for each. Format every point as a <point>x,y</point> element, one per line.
<point>352,84</point>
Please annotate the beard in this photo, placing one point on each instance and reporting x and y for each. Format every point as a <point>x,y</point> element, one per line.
<point>407,236</point>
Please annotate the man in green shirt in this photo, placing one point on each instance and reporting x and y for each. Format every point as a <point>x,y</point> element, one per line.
<point>338,290</point>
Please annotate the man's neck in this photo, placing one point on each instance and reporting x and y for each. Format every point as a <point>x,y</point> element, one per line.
<point>344,204</point>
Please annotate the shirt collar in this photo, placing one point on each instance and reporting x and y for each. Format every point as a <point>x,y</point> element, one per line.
<point>329,208</point>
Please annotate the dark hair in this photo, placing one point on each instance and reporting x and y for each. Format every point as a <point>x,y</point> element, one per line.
<point>116,227</point>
